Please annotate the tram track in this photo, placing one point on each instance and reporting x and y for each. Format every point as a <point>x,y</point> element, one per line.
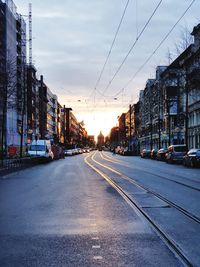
<point>133,203</point>
<point>154,174</point>
<point>147,189</point>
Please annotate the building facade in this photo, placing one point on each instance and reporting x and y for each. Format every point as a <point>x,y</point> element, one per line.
<point>13,82</point>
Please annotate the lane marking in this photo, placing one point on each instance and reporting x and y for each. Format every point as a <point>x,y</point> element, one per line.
<point>95,238</point>
<point>97,258</point>
<point>96,246</point>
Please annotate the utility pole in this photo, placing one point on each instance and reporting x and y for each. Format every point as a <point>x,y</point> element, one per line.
<point>169,122</point>
<point>186,117</point>
<point>130,127</point>
<point>65,143</point>
<point>159,130</point>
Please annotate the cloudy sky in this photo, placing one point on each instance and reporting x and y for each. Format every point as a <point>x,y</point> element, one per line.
<point>71,39</point>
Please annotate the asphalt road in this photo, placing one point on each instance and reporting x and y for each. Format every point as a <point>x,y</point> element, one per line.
<point>65,214</point>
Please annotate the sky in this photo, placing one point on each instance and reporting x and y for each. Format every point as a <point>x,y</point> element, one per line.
<point>72,38</point>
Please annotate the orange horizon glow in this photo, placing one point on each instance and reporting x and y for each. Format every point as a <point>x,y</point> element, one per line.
<point>99,121</point>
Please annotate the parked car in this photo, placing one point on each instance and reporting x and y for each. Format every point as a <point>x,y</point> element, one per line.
<point>41,149</point>
<point>192,158</point>
<point>68,152</point>
<point>58,152</point>
<point>176,153</point>
<point>145,153</point>
<point>117,149</point>
<point>75,151</point>
<point>80,150</point>
<point>125,152</point>
<point>161,154</point>
<point>153,153</point>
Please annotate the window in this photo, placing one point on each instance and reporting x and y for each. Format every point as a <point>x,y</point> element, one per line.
<point>37,148</point>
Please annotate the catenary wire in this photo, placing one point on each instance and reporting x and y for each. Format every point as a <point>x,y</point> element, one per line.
<point>113,42</point>
<point>111,47</point>
<point>154,52</point>
<point>159,45</point>
<point>133,45</point>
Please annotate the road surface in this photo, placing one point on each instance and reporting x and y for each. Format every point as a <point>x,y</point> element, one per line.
<point>71,212</point>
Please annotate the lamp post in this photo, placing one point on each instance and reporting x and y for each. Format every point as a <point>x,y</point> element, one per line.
<point>186,117</point>
<point>130,127</point>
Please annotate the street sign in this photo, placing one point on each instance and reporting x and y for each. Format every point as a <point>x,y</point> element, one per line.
<point>12,151</point>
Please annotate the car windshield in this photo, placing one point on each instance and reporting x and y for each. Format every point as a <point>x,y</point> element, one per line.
<point>37,148</point>
<point>180,149</point>
<point>192,152</point>
<point>198,153</point>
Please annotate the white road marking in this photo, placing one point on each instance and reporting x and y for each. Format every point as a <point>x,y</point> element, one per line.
<point>97,258</point>
<point>95,238</point>
<point>96,246</point>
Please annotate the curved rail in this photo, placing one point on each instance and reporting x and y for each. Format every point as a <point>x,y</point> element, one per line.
<point>170,243</point>
<point>148,172</point>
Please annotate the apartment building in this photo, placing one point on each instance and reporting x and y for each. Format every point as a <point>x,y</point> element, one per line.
<point>13,81</point>
<point>32,104</point>
<point>192,67</point>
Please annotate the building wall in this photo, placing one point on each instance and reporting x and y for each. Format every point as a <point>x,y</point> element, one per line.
<point>192,65</point>
<point>52,106</point>
<point>13,52</point>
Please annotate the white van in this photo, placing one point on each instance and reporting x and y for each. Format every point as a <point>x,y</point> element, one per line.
<point>41,149</point>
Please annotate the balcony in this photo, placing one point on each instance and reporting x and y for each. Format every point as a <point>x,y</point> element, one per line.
<point>194,76</point>
<point>194,106</point>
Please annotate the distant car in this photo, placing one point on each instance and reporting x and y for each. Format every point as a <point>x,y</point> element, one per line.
<point>75,151</point>
<point>176,153</point>
<point>68,152</point>
<point>125,151</point>
<point>145,153</point>
<point>192,158</point>
<point>121,151</point>
<point>80,150</point>
<point>161,154</point>
<point>153,153</point>
<point>117,149</point>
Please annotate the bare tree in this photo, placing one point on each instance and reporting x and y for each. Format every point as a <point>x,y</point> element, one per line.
<point>10,99</point>
<point>8,85</point>
<point>186,39</point>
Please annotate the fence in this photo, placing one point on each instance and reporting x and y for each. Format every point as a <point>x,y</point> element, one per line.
<point>9,165</point>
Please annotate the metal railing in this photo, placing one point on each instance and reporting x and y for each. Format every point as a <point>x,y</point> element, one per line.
<point>7,165</point>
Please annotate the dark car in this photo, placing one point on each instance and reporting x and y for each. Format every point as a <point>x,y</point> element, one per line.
<point>192,158</point>
<point>176,153</point>
<point>161,154</point>
<point>145,153</point>
<point>153,153</point>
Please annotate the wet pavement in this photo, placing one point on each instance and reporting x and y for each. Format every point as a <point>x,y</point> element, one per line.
<point>65,214</point>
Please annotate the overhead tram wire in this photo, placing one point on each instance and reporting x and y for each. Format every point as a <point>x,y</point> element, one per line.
<point>156,49</point>
<point>148,59</point>
<point>110,50</point>
<point>133,45</point>
<point>113,42</point>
